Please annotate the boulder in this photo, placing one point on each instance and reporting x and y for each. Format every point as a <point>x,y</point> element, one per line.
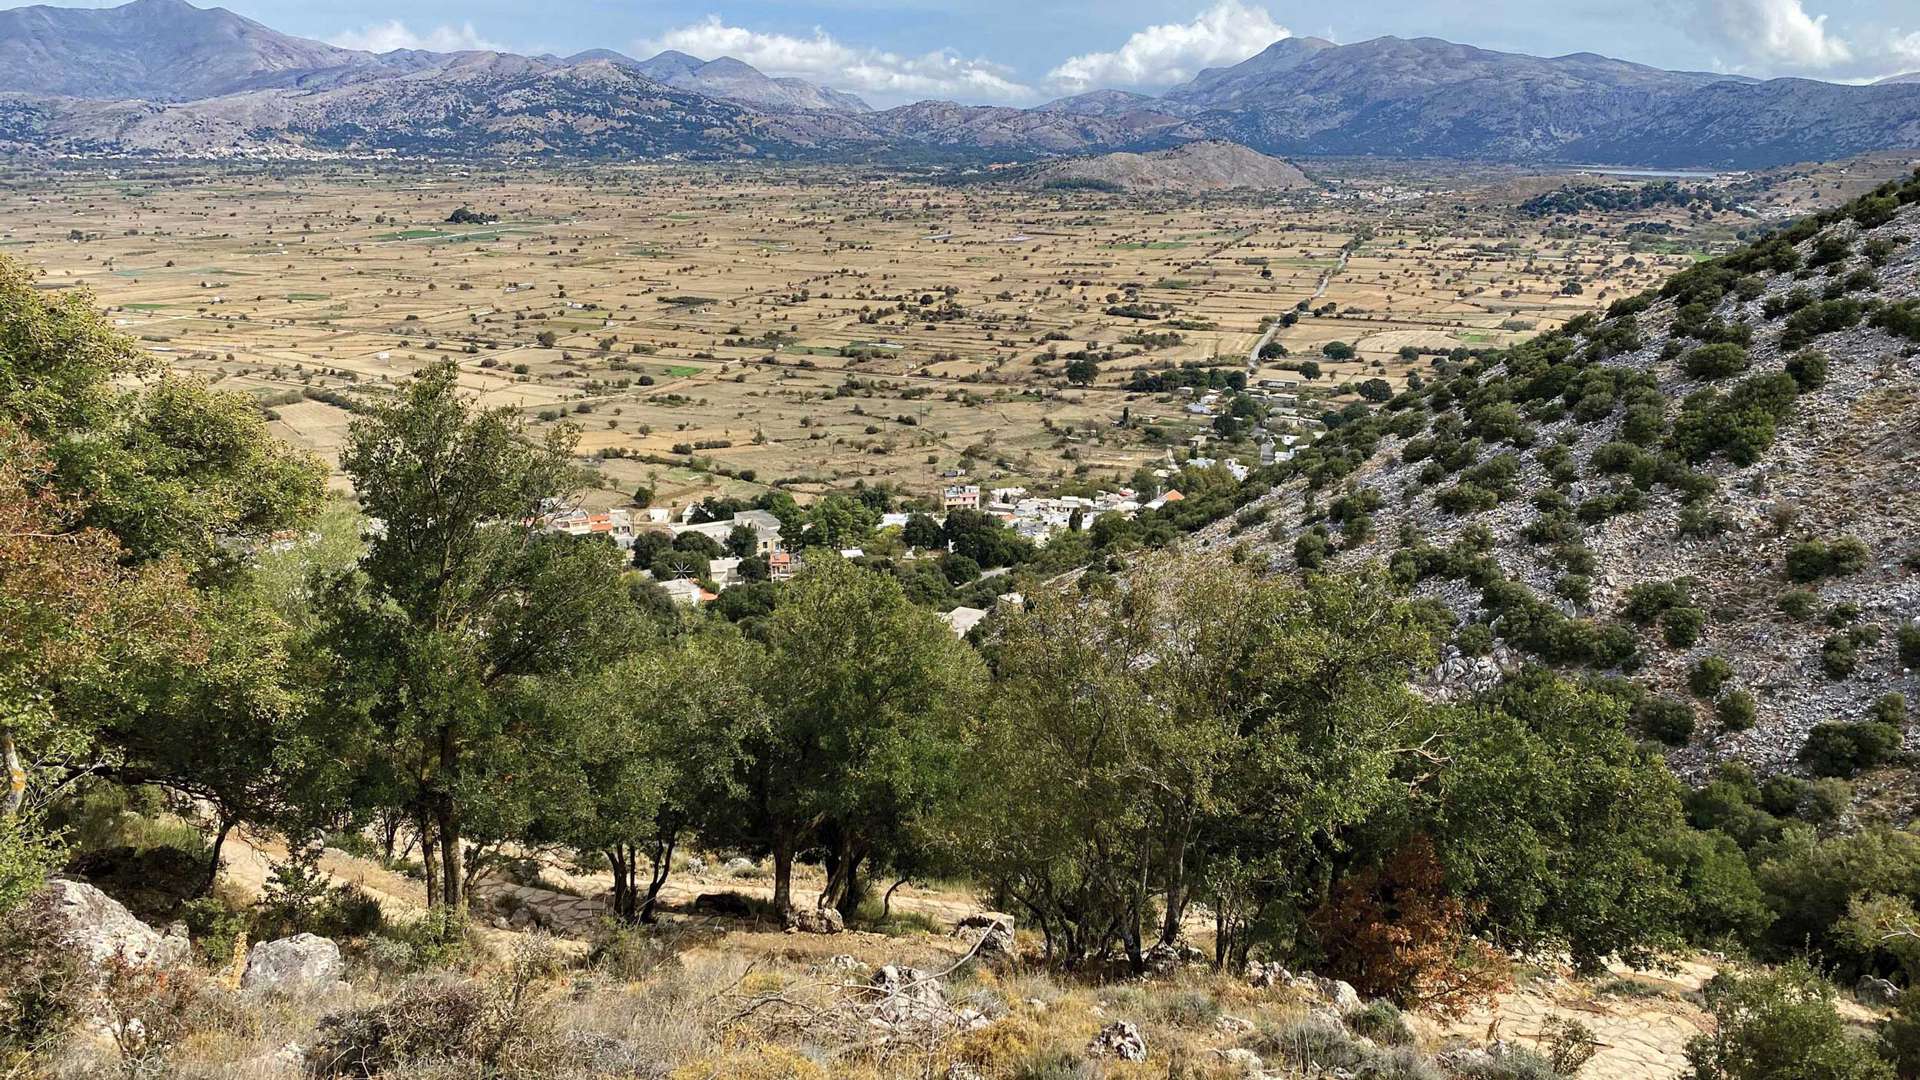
<point>101,928</point>
<point>1233,1026</point>
<point>814,920</point>
<point>1336,992</point>
<point>989,944</point>
<point>301,965</point>
<point>986,920</point>
<point>906,997</point>
<point>1876,992</point>
<point>1239,1061</point>
<point>739,865</point>
<point>1263,976</point>
<point>1163,958</point>
<point>1119,1039</point>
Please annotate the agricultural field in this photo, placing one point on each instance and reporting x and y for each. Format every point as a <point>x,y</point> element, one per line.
<point>721,330</point>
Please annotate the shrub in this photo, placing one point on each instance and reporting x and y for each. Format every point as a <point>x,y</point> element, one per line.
<point>1382,1022</point>
<point>1908,641</point>
<point>1840,749</point>
<point>1779,1025</point>
<point>1739,425</point>
<point>1809,370</point>
<point>1798,604</point>
<point>1812,560</point>
<point>43,986</point>
<point>1840,655</point>
<point>1818,318</point>
<point>1735,711</point>
<point>1667,719</point>
<point>1889,709</point>
<point>1682,626</point>
<point>1708,675</point>
<point>1649,600</point>
<point>1397,932</point>
<point>1715,361</point>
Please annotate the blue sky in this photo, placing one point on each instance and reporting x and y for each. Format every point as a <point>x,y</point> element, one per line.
<point>1024,51</point>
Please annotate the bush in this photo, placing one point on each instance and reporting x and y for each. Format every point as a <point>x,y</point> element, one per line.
<point>1397,932</point>
<point>43,985</point>
<point>1708,675</point>
<point>1908,641</point>
<point>1812,560</point>
<point>1840,655</point>
<point>1818,318</point>
<point>1798,604</point>
<point>1841,749</point>
<point>1715,361</point>
<point>1739,425</point>
<point>1668,719</point>
<point>1382,1022</point>
<point>1682,626</point>
<point>1779,1025</point>
<point>1735,711</point>
<point>1809,370</point>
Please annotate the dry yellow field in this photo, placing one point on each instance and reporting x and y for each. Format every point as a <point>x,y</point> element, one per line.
<point>807,328</point>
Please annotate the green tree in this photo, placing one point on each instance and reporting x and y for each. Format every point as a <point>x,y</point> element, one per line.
<point>652,750</point>
<point>1780,1025</point>
<point>460,600</point>
<point>868,701</point>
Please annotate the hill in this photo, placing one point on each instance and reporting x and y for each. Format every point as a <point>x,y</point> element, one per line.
<point>1712,492</point>
<point>736,80</point>
<point>1197,166</point>
<point>160,50</point>
<point>165,77</point>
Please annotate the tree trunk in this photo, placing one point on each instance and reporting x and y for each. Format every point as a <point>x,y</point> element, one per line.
<point>453,863</point>
<point>782,873</point>
<point>842,891</point>
<point>429,858</point>
<point>213,860</point>
<point>16,773</point>
<point>886,902</point>
<point>1177,893</point>
<point>662,866</point>
<point>622,883</point>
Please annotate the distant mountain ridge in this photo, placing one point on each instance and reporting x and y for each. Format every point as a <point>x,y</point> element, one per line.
<point>1206,165</point>
<point>162,77</point>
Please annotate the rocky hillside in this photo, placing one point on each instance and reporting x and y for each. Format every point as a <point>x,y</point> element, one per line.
<point>1207,165</point>
<point>162,50</point>
<point>735,80</point>
<point>1713,492</point>
<point>165,77</point>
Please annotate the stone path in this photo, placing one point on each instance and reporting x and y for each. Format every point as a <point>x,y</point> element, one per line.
<point>1641,1019</point>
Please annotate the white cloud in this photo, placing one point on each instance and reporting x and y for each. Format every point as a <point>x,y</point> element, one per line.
<point>1770,35</point>
<point>1163,55</point>
<point>1906,51</point>
<point>394,34</point>
<point>822,58</point>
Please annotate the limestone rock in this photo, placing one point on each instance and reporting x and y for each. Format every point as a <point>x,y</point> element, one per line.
<point>1119,1039</point>
<point>907,996</point>
<point>101,928</point>
<point>1242,1062</point>
<point>814,920</point>
<point>301,965</point>
<point>1876,992</point>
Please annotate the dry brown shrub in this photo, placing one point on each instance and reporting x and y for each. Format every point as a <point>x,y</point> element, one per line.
<point>1396,932</point>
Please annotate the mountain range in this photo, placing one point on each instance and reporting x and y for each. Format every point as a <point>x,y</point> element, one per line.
<point>166,78</point>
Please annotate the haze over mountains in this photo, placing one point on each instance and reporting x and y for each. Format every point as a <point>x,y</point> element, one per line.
<point>164,77</point>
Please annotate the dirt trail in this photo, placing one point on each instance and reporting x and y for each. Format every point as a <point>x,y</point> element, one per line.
<point>575,908</point>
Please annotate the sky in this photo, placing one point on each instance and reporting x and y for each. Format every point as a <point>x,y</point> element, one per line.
<point>1021,52</point>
